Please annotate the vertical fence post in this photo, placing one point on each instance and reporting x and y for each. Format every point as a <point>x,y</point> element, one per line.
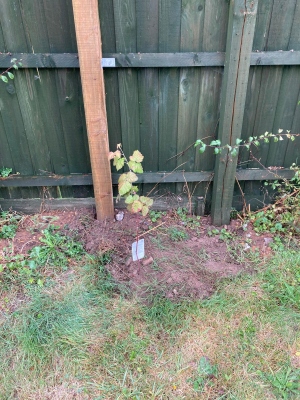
<point>88,34</point>
<point>240,35</point>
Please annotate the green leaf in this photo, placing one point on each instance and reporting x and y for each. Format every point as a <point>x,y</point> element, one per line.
<point>250,139</point>
<point>10,75</point>
<point>145,211</point>
<point>137,156</point>
<point>198,142</point>
<point>266,140</point>
<point>131,177</point>
<point>4,78</point>
<point>136,206</point>
<point>124,187</point>
<point>256,143</point>
<point>238,141</point>
<point>146,200</point>
<point>119,163</point>
<point>129,199</point>
<point>136,167</point>
<point>215,143</point>
<point>234,152</point>
<point>15,66</point>
<point>202,148</point>
<point>217,151</point>
<point>292,138</point>
<point>275,139</point>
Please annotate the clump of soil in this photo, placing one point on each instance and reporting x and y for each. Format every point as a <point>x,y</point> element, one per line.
<point>181,260</point>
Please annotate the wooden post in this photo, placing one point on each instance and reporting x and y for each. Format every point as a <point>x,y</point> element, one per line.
<point>240,35</point>
<point>89,44</point>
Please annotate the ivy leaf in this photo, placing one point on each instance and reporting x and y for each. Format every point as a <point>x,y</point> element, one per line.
<point>136,167</point>
<point>217,151</point>
<point>292,138</point>
<point>215,143</point>
<point>119,163</point>
<point>198,142</point>
<point>238,141</point>
<point>4,78</point>
<point>131,177</point>
<point>15,66</point>
<point>137,156</point>
<point>10,75</point>
<point>275,139</point>
<point>124,187</point>
<point>146,200</point>
<point>145,211</point>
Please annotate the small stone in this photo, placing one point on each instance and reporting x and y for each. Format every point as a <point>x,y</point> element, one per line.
<point>170,280</point>
<point>247,247</point>
<point>128,262</point>
<point>268,241</point>
<point>119,216</point>
<point>148,261</point>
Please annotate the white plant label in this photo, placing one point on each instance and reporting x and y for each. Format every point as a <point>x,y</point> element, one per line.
<point>138,250</point>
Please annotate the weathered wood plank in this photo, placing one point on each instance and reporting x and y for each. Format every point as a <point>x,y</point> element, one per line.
<point>279,37</point>
<point>192,25</point>
<point>149,60</point>
<point>32,206</point>
<point>169,41</point>
<point>88,41</point>
<point>250,174</point>
<point>107,22</point>
<point>126,42</point>
<point>147,40</point>
<point>214,39</point>
<point>238,49</point>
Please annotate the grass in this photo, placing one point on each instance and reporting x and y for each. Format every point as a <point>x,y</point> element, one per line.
<point>81,335</point>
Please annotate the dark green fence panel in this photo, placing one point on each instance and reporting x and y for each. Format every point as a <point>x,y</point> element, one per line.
<point>159,110</point>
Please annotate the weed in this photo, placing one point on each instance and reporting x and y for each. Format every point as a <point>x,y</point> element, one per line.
<point>156,215</point>
<point>186,219</point>
<point>177,235</point>
<point>5,172</point>
<point>56,251</point>
<point>9,222</point>
<point>206,373</point>
<point>223,233</point>
<point>285,382</point>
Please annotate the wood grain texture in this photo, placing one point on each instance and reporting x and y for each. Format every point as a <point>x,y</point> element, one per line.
<point>192,25</point>
<point>241,27</point>
<point>150,60</point>
<point>147,40</point>
<point>89,41</point>
<point>107,22</point>
<point>126,42</point>
<point>250,174</point>
<point>169,41</point>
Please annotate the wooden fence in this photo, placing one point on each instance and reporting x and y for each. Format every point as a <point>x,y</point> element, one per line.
<point>162,94</point>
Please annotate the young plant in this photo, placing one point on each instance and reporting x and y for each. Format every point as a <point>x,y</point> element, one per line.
<point>5,172</point>
<point>252,140</point>
<point>7,74</point>
<point>135,203</point>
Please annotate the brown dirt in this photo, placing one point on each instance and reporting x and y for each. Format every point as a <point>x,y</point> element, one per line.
<point>175,269</point>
